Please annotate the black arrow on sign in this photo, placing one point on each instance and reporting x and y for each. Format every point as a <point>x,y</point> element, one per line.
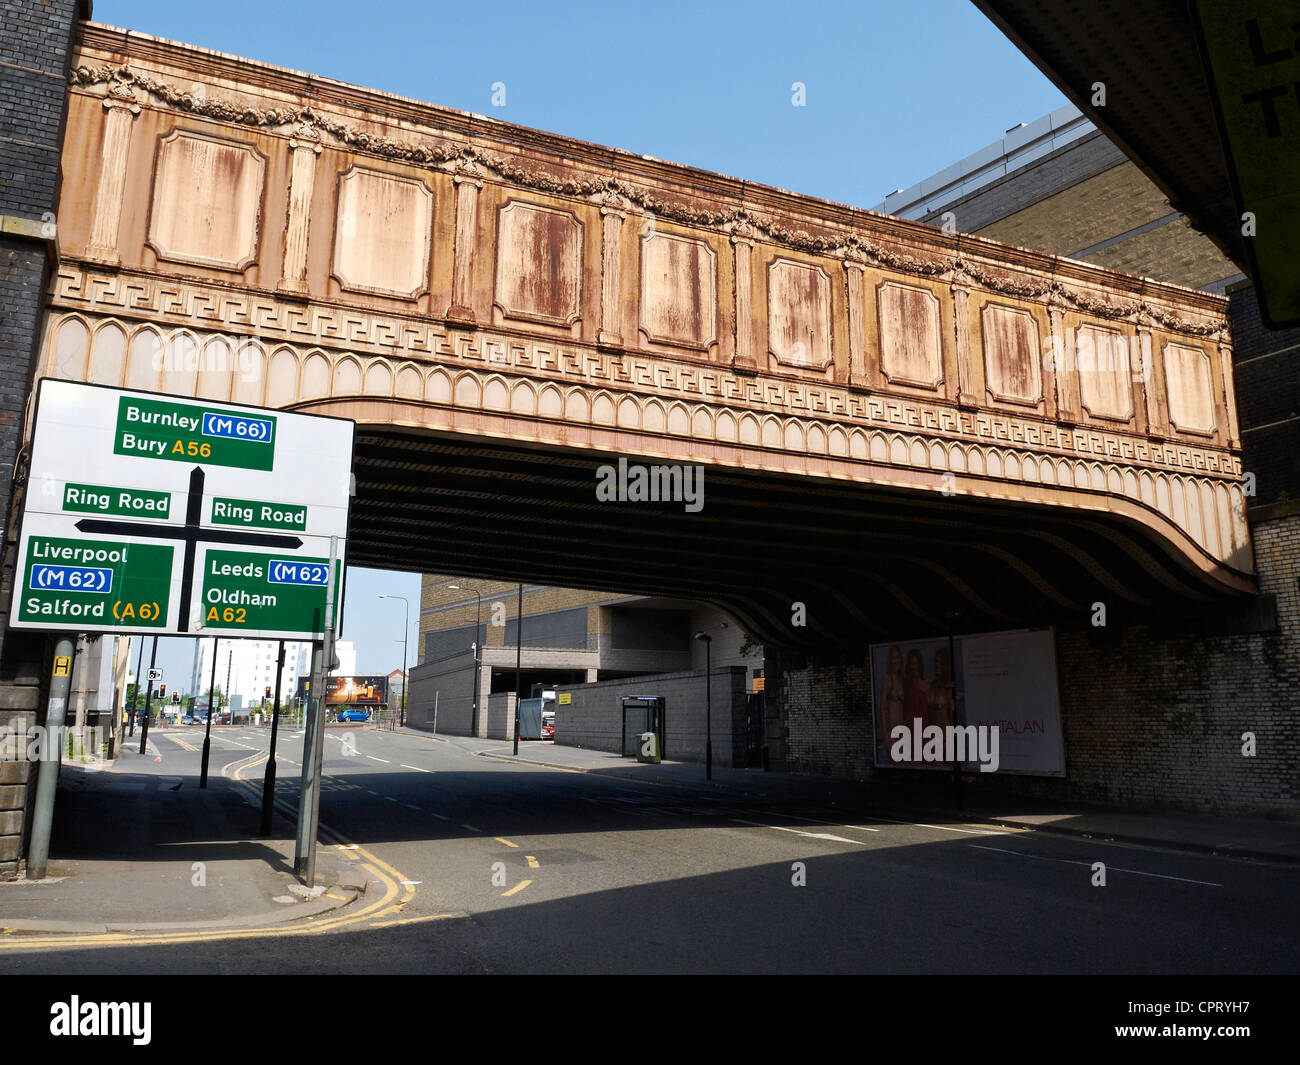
<point>192,534</point>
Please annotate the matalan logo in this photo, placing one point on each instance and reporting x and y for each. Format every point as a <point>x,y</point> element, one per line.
<point>102,1018</point>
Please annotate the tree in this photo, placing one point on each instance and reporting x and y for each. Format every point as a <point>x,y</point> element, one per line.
<point>134,697</point>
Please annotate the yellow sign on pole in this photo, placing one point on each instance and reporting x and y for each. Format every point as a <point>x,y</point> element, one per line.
<point>62,665</point>
<point>1254,65</point>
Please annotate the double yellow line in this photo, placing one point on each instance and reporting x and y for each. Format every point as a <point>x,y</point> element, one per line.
<point>396,895</point>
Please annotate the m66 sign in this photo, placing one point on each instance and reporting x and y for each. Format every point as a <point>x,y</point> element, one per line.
<point>172,515</point>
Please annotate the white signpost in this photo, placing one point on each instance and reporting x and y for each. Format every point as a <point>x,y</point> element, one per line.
<point>153,513</point>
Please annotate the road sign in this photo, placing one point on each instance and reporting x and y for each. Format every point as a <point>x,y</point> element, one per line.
<point>155,673</point>
<point>163,514</point>
<point>1252,57</point>
<point>62,666</point>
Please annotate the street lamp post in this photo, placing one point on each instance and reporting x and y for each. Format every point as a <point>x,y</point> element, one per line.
<point>406,628</point>
<point>708,703</point>
<point>478,616</point>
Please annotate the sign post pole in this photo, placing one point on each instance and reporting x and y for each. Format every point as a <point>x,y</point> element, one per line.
<point>268,782</point>
<point>47,771</point>
<point>304,862</point>
<point>148,697</point>
<point>207,731</point>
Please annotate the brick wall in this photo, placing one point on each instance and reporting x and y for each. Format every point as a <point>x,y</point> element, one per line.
<point>35,40</point>
<point>594,719</point>
<point>1150,720</point>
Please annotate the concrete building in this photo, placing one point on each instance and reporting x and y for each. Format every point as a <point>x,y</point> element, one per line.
<point>246,668</point>
<point>570,637</point>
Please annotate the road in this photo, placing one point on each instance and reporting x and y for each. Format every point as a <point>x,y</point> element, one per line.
<point>491,866</point>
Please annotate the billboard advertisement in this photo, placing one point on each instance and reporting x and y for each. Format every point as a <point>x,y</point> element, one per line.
<point>926,697</point>
<point>349,691</point>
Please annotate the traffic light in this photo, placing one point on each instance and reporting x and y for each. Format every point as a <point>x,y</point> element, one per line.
<point>176,696</point>
<point>268,691</point>
<point>162,691</point>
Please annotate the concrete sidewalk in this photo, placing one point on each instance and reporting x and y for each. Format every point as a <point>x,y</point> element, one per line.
<point>1261,839</point>
<point>137,847</point>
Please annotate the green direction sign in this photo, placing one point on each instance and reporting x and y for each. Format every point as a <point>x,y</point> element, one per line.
<point>1254,58</point>
<point>258,514</point>
<point>279,592</point>
<point>183,432</point>
<point>96,582</point>
<point>102,499</point>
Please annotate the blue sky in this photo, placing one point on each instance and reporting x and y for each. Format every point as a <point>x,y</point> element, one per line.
<point>894,93</point>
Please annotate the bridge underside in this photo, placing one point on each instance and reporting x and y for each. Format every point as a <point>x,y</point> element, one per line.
<point>865,560</point>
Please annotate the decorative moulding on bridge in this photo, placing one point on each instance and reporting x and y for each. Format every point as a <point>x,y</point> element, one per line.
<point>1190,389</point>
<point>382,233</point>
<point>539,264</point>
<point>679,291</point>
<point>909,335</point>
<point>207,201</point>
<point>799,314</point>
<point>1011,354</point>
<point>1105,373</point>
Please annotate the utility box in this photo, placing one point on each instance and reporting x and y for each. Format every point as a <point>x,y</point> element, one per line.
<point>647,748</point>
<point>530,719</point>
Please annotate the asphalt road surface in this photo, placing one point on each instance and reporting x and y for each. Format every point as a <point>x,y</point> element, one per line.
<point>489,866</point>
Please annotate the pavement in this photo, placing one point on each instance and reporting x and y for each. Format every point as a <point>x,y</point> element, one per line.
<point>138,846</point>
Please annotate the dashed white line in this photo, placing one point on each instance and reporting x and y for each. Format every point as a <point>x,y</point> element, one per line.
<point>374,759</point>
<point>471,828</point>
<point>1072,861</point>
<point>412,806</point>
<point>801,832</point>
<point>415,767</point>
<point>440,817</point>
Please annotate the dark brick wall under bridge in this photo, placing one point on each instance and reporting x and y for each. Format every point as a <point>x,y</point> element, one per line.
<point>1152,717</point>
<point>35,46</point>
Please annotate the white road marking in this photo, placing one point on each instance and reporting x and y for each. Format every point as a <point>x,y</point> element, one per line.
<point>440,817</point>
<point>801,832</point>
<point>374,759</point>
<point>1072,861</point>
<point>415,767</point>
<point>412,806</point>
<point>471,828</point>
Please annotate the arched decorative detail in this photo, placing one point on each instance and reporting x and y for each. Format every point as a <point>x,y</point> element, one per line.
<point>347,377</point>
<point>108,355</point>
<point>816,439</point>
<point>957,458</point>
<point>771,432</point>
<point>898,450</point>
<point>467,391</point>
<point>71,348</point>
<point>938,457</point>
<point>551,402</point>
<point>602,409</point>
<point>679,420</point>
<point>1130,483</point>
<point>496,394</point>
<point>918,455</point>
<point>315,376</point>
<point>523,398</point>
<point>1147,489</point>
<point>654,419</point>
<point>1029,470</point>
<point>409,384</point>
<point>577,408</point>
<point>629,413</point>
<point>725,427</point>
<point>251,382</point>
<point>379,378</point>
<point>1011,466</point>
<point>750,430</point>
<point>994,463</point>
<point>859,445</point>
<point>439,387</point>
<point>142,356</point>
<point>1164,497</point>
<point>975,461</point>
<point>1210,520</point>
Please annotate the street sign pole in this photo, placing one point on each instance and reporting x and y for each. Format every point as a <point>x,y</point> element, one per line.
<point>268,782</point>
<point>304,863</point>
<point>148,698</point>
<point>139,663</point>
<point>47,771</point>
<point>207,731</point>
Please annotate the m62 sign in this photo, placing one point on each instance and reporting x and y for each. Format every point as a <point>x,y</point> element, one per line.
<point>178,516</point>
